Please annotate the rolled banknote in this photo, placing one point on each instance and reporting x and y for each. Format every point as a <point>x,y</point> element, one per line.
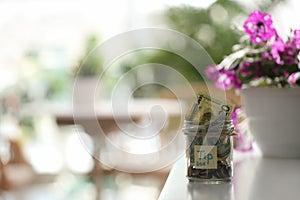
<point>207,109</point>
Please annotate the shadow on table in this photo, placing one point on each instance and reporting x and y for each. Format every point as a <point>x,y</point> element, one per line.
<point>210,191</point>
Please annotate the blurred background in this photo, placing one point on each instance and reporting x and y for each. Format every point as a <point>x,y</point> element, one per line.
<point>43,44</point>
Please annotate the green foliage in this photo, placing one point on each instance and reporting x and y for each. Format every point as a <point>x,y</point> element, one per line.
<point>162,57</point>
<point>57,84</point>
<point>90,64</point>
<point>211,27</point>
<point>175,61</point>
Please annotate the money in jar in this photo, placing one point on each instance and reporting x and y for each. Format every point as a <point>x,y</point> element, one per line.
<point>209,144</point>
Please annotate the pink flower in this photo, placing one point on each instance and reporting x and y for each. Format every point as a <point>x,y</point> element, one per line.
<point>251,69</point>
<point>243,143</point>
<point>289,54</point>
<point>277,47</point>
<point>259,26</point>
<point>228,79</point>
<point>224,79</point>
<point>295,39</point>
<point>212,72</point>
<point>284,53</point>
<point>245,69</point>
<point>234,115</point>
<point>266,55</point>
<point>267,58</point>
<point>294,78</point>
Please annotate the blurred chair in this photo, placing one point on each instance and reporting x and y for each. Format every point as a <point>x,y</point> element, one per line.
<point>15,171</point>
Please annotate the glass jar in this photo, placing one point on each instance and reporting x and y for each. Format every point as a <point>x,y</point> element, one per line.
<point>209,151</point>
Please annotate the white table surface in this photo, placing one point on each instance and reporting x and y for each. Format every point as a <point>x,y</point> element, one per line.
<point>255,178</point>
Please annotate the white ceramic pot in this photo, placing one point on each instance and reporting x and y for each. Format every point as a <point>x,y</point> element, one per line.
<point>274,120</point>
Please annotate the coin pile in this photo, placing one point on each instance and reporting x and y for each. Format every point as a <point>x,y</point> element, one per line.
<point>208,130</point>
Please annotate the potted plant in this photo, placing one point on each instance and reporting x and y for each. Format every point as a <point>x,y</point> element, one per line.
<point>87,72</point>
<point>264,69</point>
